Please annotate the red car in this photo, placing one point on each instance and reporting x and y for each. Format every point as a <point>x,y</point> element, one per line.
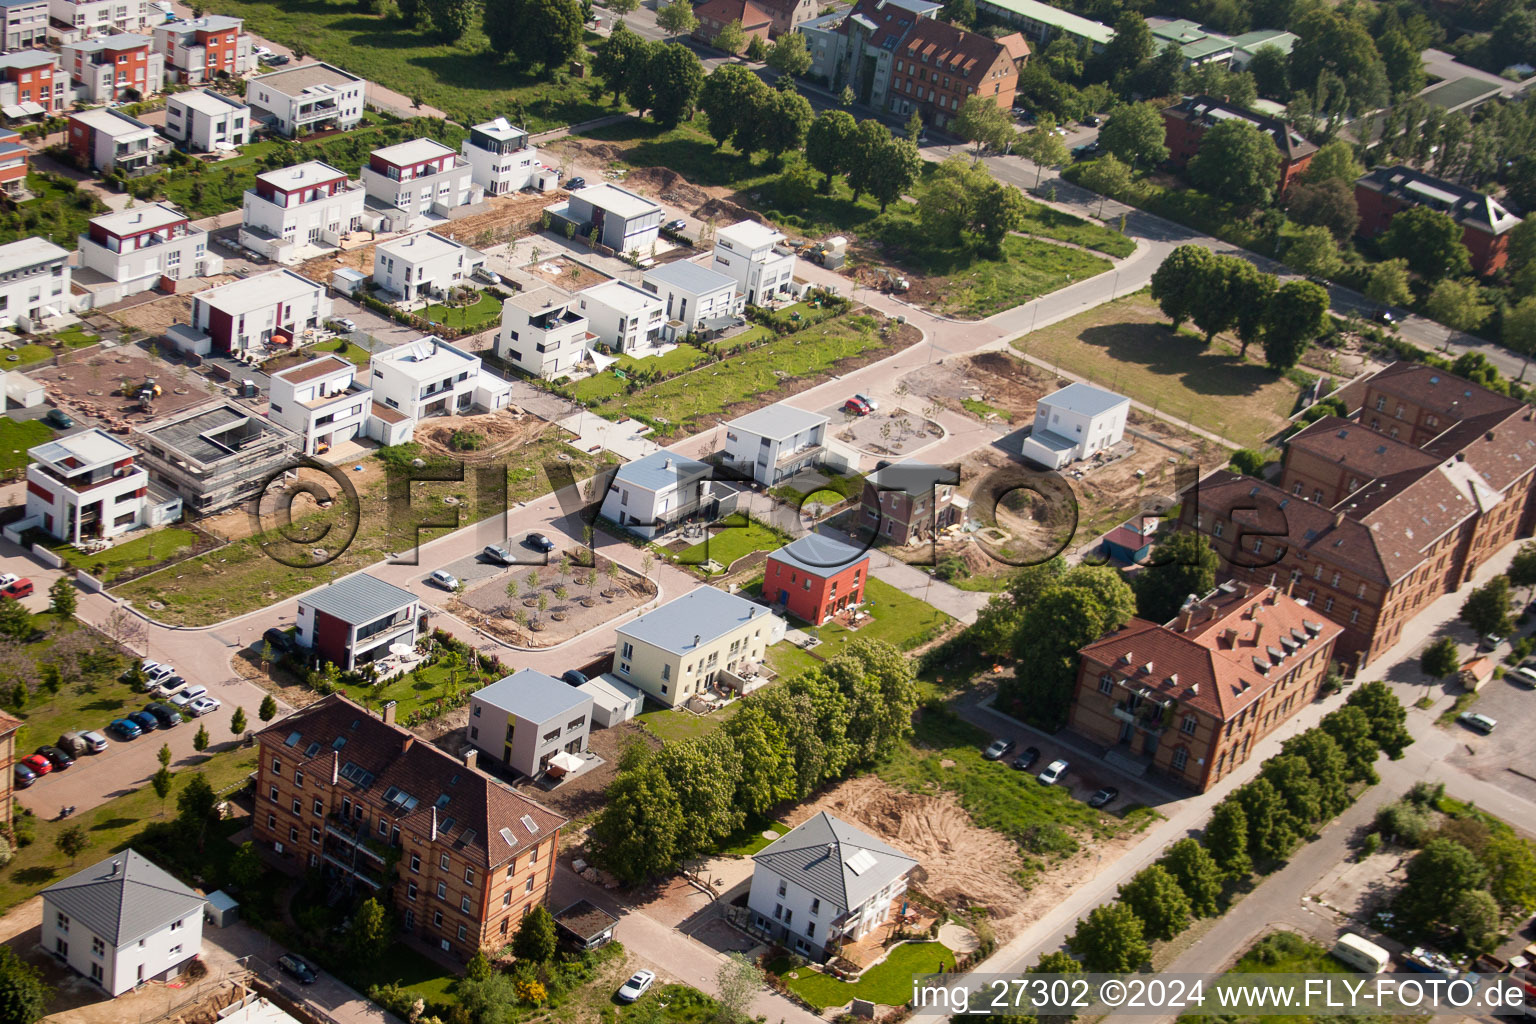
<point>17,590</point>
<point>39,764</point>
<point>856,406</point>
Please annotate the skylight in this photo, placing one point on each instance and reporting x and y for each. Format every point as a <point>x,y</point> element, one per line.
<point>860,862</point>
<point>293,738</point>
<point>529,824</point>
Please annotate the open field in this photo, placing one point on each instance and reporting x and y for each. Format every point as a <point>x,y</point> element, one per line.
<point>16,436</point>
<point>1126,346</point>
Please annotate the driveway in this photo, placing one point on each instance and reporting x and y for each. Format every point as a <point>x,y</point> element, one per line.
<point>241,946</point>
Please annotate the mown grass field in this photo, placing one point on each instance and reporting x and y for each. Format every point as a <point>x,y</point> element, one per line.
<point>16,436</point>
<point>888,982</point>
<point>899,619</point>
<point>147,549</point>
<point>483,312</point>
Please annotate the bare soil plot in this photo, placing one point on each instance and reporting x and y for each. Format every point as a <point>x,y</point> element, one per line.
<point>154,317</point>
<point>518,619</point>
<point>1358,889</point>
<point>565,272</point>
<point>94,386</point>
<point>989,385</point>
<point>501,430</point>
<point>890,433</point>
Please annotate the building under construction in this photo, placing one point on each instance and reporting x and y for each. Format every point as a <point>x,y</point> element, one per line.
<point>216,455</point>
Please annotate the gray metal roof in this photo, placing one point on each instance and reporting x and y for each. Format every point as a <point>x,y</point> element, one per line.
<point>777,420</point>
<point>359,599</point>
<point>123,898</point>
<point>1084,399</point>
<point>820,555</point>
<point>533,696</point>
<point>690,277</point>
<point>704,612</point>
<point>917,479</point>
<point>816,856</point>
<point>660,469</point>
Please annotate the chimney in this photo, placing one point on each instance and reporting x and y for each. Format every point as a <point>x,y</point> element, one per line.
<point>666,463</point>
<point>471,755</point>
<point>696,639</point>
<point>1338,520</point>
<point>1258,631</point>
<point>406,741</point>
<point>752,612</point>
<point>1230,636</point>
<point>388,712</point>
<point>434,823</point>
<point>1186,617</point>
<point>335,766</point>
<point>115,866</point>
<point>1290,584</point>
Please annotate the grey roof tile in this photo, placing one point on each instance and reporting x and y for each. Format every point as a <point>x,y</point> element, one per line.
<point>816,854</point>
<point>123,898</point>
<point>532,695</point>
<point>703,612</point>
<point>359,599</point>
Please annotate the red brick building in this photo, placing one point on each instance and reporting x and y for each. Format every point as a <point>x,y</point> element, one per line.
<point>1192,697</point>
<point>349,793</point>
<point>15,159</point>
<point>907,503</point>
<point>1187,122</point>
<point>1485,225</point>
<point>788,15</point>
<point>33,82</point>
<point>1377,515</point>
<point>939,66</point>
<point>815,577</point>
<point>714,15</point>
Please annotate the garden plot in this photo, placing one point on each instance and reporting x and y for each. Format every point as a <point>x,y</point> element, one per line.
<point>544,605</point>
<point>565,272</point>
<point>898,432</point>
<point>155,317</point>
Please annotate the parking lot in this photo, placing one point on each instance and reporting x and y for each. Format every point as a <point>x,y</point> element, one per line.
<point>1503,757</point>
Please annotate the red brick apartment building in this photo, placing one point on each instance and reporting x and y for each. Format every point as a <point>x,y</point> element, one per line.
<point>939,66</point>
<point>1192,697</point>
<point>1188,121</point>
<point>815,577</point>
<point>1378,514</point>
<point>906,503</point>
<point>337,788</point>
<point>15,158</point>
<point>1485,225</point>
<point>34,81</point>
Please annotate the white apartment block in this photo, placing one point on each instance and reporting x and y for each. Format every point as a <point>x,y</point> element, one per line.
<point>322,401</point>
<point>423,265</point>
<point>26,24</point>
<point>115,67</point>
<point>543,332</point>
<point>131,250</point>
<point>308,98</point>
<point>430,377</point>
<point>204,121</point>
<point>625,318</point>
<point>500,157</point>
<point>104,139</point>
<point>250,313</point>
<point>86,486</point>
<point>311,203</point>
<point>200,50</point>
<point>408,181</point>
<point>748,253</point>
<point>34,282</point>
<point>1074,423</point>
<point>697,299</point>
<point>85,18</point>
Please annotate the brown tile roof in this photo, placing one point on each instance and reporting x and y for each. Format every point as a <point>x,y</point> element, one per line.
<point>952,49</point>
<point>387,414</point>
<point>478,816</point>
<point>1015,44</point>
<point>785,7</point>
<point>8,724</point>
<point>1238,641</point>
<point>726,11</point>
<point>1367,453</point>
<point>890,21</point>
<point>312,369</point>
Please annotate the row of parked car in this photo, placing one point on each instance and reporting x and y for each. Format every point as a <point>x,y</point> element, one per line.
<point>861,405</point>
<point>1053,773</point>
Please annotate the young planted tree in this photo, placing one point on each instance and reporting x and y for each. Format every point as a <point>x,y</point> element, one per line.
<point>164,754</point>
<point>677,18</point>
<point>161,783</point>
<point>268,709</point>
<point>72,842</point>
<point>200,741</point>
<point>1111,939</point>
<point>535,940</point>
<point>1154,896</point>
<point>237,722</point>
<point>62,597</point>
<point>1486,609</point>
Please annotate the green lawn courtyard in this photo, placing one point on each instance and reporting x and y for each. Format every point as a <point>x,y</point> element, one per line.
<point>16,436</point>
<point>901,620</point>
<point>733,537</point>
<point>612,381</point>
<point>888,982</point>
<point>149,548</point>
<point>483,312</point>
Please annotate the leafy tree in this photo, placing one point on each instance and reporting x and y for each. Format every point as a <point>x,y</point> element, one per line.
<point>1386,282</point>
<point>635,834</point>
<point>615,61</point>
<point>677,18</point>
<point>1440,659</point>
<point>493,999</point>
<point>268,709</point>
<point>1430,242</point>
<point>1043,146</point>
<point>535,941</point>
<point>1313,251</point>
<point>246,866</point>
<point>1457,304</point>
<point>1403,61</point>
<point>1110,940</point>
<point>1108,176</point>
<point>1135,134</point>
<point>1386,714</point>
<point>796,187</point>
<point>676,77</point>
<point>72,842</point>
<point>1521,267</point>
<point>1183,564</point>
<point>1351,730</point>
<point>959,12</point>
<point>1327,204</point>
<point>1155,897</point>
<point>237,722</point>
<point>847,98</point>
<point>1272,832</point>
<point>757,49</point>
<point>1435,878</point>
<point>1334,161</point>
<point>786,117</point>
<point>1519,331</point>
<point>1486,609</point>
<point>640,91</point>
<point>946,207</point>
<point>982,123</point>
<point>543,33</point>
<point>1295,316</point>
<point>1522,567</point>
<point>1226,837</point>
<point>870,143</point>
<point>1292,778</point>
<point>369,934</point>
<point>1237,163</point>
<point>898,168</point>
<point>731,38</point>
<point>913,129</point>
<point>737,983</point>
<point>1476,915</point>
<point>200,741</point>
<point>827,143</point>
<point>451,18</point>
<point>1129,47</point>
<point>1248,462</point>
<point>1332,47</point>
<point>1179,283</point>
<point>760,741</point>
<point>15,620</point>
<point>790,56</point>
<point>62,598</point>
<point>1327,763</point>
<point>1271,72</point>
<point>1511,867</point>
<point>479,967</point>
<point>161,783</point>
<point>1249,290</point>
<point>730,100</point>
<point>703,773</point>
<point>622,8</point>
<point>1079,606</point>
<point>1197,874</point>
<point>24,997</point>
<point>1218,305</point>
<point>999,210</point>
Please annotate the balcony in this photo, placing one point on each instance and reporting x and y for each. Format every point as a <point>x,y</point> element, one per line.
<point>339,859</point>
<point>354,391</point>
<point>356,838</point>
<point>799,455</point>
<point>317,112</point>
<point>1146,715</point>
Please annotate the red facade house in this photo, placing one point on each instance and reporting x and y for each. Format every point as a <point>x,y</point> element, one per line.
<point>815,577</point>
<point>714,15</point>
<point>1485,225</point>
<point>1187,122</point>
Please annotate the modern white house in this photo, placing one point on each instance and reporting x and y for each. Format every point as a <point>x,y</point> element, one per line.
<point>704,639</point>
<point>613,701</point>
<point>308,204</point>
<point>357,620</point>
<point>322,401</point>
<point>87,486</point>
<point>199,50</point>
<point>34,282</point>
<point>698,300</point>
<point>131,250</point>
<point>261,311</point>
<point>652,494</point>
<point>123,922</point>
<point>748,253</point>
<point>430,377</point>
<point>81,19</point>
<point>825,883</point>
<point>407,182</point>
<point>1075,423</point>
<point>114,67</point>
<point>205,121</point>
<point>308,98</point>
<point>106,139</point>
<point>424,265</point>
<point>525,720</point>
<point>500,157</point>
<point>775,442</point>
<point>625,221</point>
<point>625,318</point>
<point>543,332</point>
<point>26,24</point>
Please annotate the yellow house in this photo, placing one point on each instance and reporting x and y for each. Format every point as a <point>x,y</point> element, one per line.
<point>682,648</point>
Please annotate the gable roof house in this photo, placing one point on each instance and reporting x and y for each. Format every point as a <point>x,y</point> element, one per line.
<point>825,883</point>
<point>714,15</point>
<point>1188,120</point>
<point>787,15</point>
<point>1485,224</point>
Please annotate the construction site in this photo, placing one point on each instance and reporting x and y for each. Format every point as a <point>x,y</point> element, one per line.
<point>124,387</point>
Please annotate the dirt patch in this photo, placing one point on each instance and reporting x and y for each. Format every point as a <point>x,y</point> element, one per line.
<point>897,432</point>
<point>566,273</point>
<point>501,430</point>
<point>726,211</point>
<point>518,619</point>
<point>667,185</point>
<point>94,386</point>
<point>1007,384</point>
<point>154,317</point>
<point>280,682</point>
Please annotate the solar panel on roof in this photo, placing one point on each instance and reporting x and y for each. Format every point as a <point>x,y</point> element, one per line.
<point>860,862</point>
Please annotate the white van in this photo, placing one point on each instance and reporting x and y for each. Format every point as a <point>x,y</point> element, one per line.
<point>1361,954</point>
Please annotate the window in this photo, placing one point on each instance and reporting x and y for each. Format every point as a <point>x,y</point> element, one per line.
<point>469,876</point>
<point>318,808</point>
<point>293,835</point>
<point>273,793</point>
<point>782,889</point>
<point>1180,757</point>
<point>1106,683</point>
<point>464,905</point>
<point>462,932</point>
<point>298,776</point>
<point>1258,545</point>
<point>437,919</point>
<point>416,862</point>
<point>1218,528</point>
<point>62,921</point>
<point>277,767</point>
<point>815,908</point>
<point>442,891</point>
<point>410,891</point>
<point>98,947</point>
<point>1354,616</point>
<point>506,898</point>
<point>1328,605</point>
<point>298,806</point>
<point>1190,724</point>
<point>443,862</point>
<point>778,911</point>
<point>529,886</point>
<point>272,821</point>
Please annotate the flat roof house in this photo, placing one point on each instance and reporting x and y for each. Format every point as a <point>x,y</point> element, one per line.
<point>625,221</point>
<point>527,719</point>
<point>32,84</point>
<point>1042,22</point>
<point>816,576</point>
<point>357,619</point>
<point>424,265</point>
<point>123,922</point>
<point>654,493</point>
<point>105,139</point>
<point>1485,224</point>
<point>130,251</point>
<point>199,50</point>
<point>308,98</point>
<point>206,121</point>
<point>258,312</point>
<point>501,159</point>
<point>543,332</point>
<point>703,639</point>
<point>322,401</point>
<point>430,377</point>
<point>215,455</point>
<point>910,502</point>
<point>1075,423</point>
<point>34,282</point>
<point>82,19</point>
<point>629,320</point>
<point>294,209</point>
<point>748,253</point>
<point>1197,45</point>
<point>698,300</point>
<point>774,443</point>
<point>86,486</point>
<point>409,181</point>
<point>825,883</point>
<point>115,67</point>
<point>25,24</point>
<point>15,163</point>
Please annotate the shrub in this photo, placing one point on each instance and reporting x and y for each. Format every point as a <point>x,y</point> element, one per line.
<point>1404,822</point>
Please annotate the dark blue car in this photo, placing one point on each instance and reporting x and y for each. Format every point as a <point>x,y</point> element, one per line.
<point>124,728</point>
<point>144,720</point>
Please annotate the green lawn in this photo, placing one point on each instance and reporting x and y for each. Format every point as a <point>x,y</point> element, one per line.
<point>889,981</point>
<point>981,410</point>
<point>1283,953</point>
<point>978,288</point>
<point>58,213</point>
<point>673,726</point>
<point>1126,346</point>
<point>16,436</point>
<point>25,355</point>
<point>1049,222</point>
<point>89,699</point>
<point>463,79</point>
<point>147,549</point>
<point>485,311</point>
<point>750,838</point>
<point>76,336</point>
<point>411,694</point>
<point>899,619</point>
<point>613,381</point>
<point>731,538</point>
<point>354,354</point>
